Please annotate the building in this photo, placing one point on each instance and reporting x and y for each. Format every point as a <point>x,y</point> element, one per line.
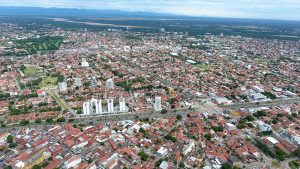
<point>263,126</point>
<point>257,96</point>
<point>188,148</point>
<point>84,63</point>
<point>157,103</point>
<point>229,126</point>
<point>62,86</point>
<point>109,84</point>
<point>110,105</point>
<point>77,82</point>
<point>221,100</point>
<point>94,81</point>
<point>92,107</point>
<point>162,152</point>
<point>72,162</point>
<point>164,165</point>
<point>122,104</point>
<point>3,138</point>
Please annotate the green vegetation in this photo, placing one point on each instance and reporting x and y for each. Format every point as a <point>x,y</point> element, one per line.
<point>259,114</point>
<point>203,67</point>
<point>49,81</point>
<point>293,165</point>
<point>217,128</point>
<point>15,111</point>
<point>269,95</point>
<point>143,155</point>
<point>10,139</point>
<point>276,164</point>
<point>37,121</point>
<point>24,123</point>
<point>61,120</point>
<point>164,111</point>
<point>171,138</point>
<point>208,137</point>
<point>33,45</point>
<point>61,103</point>
<point>179,117</point>
<point>49,120</point>
<point>30,71</point>
<point>276,153</point>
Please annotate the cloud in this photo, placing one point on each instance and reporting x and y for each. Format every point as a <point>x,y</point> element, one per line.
<point>271,9</point>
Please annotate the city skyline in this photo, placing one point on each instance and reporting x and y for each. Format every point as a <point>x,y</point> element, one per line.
<point>278,9</point>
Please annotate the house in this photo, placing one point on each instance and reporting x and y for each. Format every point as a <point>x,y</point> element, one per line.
<point>72,162</point>
<point>263,126</point>
<point>162,152</point>
<point>41,92</point>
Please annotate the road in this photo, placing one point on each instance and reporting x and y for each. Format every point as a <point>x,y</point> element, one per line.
<point>261,104</point>
<point>53,92</point>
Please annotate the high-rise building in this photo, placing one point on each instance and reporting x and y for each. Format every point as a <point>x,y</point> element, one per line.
<point>62,86</point>
<point>122,104</point>
<point>84,63</point>
<point>92,107</point>
<point>94,81</point>
<point>157,103</point>
<point>77,82</point>
<point>109,84</point>
<point>110,105</point>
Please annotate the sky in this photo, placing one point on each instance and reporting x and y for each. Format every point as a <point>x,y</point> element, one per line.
<point>261,9</point>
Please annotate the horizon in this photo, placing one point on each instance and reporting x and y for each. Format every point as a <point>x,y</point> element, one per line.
<point>243,9</point>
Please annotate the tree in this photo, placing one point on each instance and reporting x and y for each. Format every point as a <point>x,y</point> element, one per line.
<point>181,164</point>
<point>164,111</point>
<point>208,137</point>
<point>8,167</point>
<point>10,139</point>
<point>38,121</point>
<point>179,117</point>
<point>226,166</point>
<point>36,167</point>
<point>143,155</point>
<point>61,120</point>
<point>49,120</point>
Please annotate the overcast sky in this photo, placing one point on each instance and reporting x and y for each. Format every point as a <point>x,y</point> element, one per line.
<point>267,9</point>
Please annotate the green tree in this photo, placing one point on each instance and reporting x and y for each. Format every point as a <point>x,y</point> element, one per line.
<point>164,111</point>
<point>179,117</point>
<point>10,139</point>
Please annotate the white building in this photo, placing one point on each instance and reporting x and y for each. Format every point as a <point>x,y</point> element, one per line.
<point>157,103</point>
<point>188,148</point>
<point>84,63</point>
<point>92,107</point>
<point>229,126</point>
<point>72,162</point>
<point>77,82</point>
<point>3,138</point>
<point>62,86</point>
<point>110,105</point>
<point>162,152</point>
<point>109,84</point>
<point>164,165</point>
<point>258,96</point>
<point>122,104</point>
<point>263,126</point>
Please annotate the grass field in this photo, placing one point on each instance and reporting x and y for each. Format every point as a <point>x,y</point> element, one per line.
<point>49,81</point>
<point>276,164</point>
<point>30,71</point>
<point>34,45</point>
<point>203,67</point>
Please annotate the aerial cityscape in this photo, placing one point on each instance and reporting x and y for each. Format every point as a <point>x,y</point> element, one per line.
<point>83,87</point>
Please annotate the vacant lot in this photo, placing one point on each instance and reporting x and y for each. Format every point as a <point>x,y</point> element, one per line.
<point>30,71</point>
<point>49,81</point>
